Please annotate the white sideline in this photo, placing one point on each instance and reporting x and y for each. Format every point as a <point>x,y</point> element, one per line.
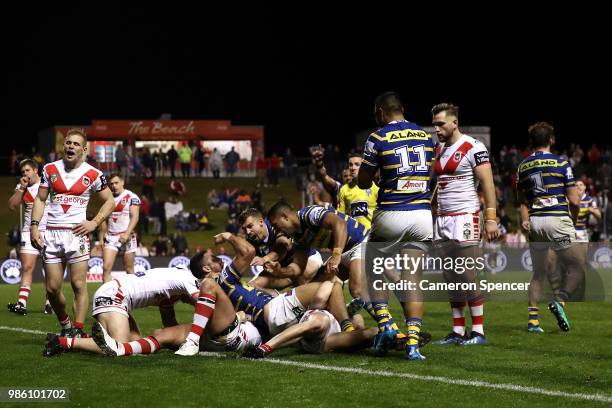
<point>391,374</point>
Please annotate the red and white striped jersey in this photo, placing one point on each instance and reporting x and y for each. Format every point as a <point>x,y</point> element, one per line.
<point>158,286</point>
<point>119,219</point>
<point>456,181</point>
<point>28,202</point>
<point>69,192</point>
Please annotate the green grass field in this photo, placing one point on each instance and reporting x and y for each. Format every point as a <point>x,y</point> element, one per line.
<point>520,369</point>
<point>514,369</point>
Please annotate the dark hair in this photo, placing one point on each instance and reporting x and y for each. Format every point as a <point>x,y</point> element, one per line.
<point>277,208</point>
<point>113,175</point>
<point>449,108</point>
<point>541,134</point>
<point>28,162</point>
<point>389,102</point>
<point>195,265</point>
<point>249,212</point>
<point>354,154</point>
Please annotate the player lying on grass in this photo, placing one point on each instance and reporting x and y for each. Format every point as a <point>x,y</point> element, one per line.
<point>270,315</point>
<point>114,301</point>
<point>318,331</point>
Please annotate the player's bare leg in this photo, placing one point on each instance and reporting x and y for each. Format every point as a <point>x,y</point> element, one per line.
<point>54,277</point>
<point>108,255</point>
<point>78,280</point>
<point>574,264</point>
<point>116,325</point>
<point>128,262</point>
<point>172,337</point>
<point>214,312</point>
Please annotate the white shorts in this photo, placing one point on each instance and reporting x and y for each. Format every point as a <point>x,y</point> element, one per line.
<point>111,241</point>
<point>582,235</point>
<point>465,229</point>
<point>285,310</point>
<point>558,232</point>
<point>315,345</point>
<point>353,253</point>
<point>401,226</point>
<point>243,335</point>
<point>26,245</point>
<point>62,243</point>
<point>315,260</point>
<point>109,298</point>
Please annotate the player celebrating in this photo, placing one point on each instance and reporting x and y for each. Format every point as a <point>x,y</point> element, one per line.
<point>462,163</point>
<point>271,246</point>
<point>403,153</point>
<point>222,291</point>
<point>117,232</point>
<point>114,302</point>
<point>546,185</point>
<point>68,183</point>
<point>25,192</point>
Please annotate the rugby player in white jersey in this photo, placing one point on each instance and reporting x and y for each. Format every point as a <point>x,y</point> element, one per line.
<point>462,163</point>
<point>117,231</point>
<point>26,190</point>
<point>68,183</point>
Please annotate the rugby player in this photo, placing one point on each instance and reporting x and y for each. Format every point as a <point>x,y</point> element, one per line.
<point>68,183</point>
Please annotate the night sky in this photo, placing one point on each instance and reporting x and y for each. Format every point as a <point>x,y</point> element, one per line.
<point>304,83</point>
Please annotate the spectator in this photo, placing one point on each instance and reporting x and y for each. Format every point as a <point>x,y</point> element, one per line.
<point>172,207</point>
<point>256,198</point>
<point>177,187</point>
<point>158,216</point>
<point>179,244</point>
<point>216,162</point>
<point>143,218</point>
<point>275,165</point>
<point>199,157</point>
<point>160,246</point>
<point>290,163</point>
<point>121,158</point>
<point>13,162</point>
<point>232,225</point>
<point>232,158</point>
<point>147,161</point>
<point>515,237</point>
<point>147,182</point>
<point>185,159</point>
<point>142,250</point>
<point>262,171</point>
<point>213,199</point>
<point>165,163</point>
<point>172,156</point>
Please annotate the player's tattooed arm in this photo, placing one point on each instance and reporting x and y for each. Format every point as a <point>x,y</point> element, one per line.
<point>37,213</point>
<point>339,237</point>
<point>365,178</point>
<point>86,226</point>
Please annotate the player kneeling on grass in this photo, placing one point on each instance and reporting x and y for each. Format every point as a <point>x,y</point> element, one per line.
<point>223,293</point>
<point>318,331</point>
<point>113,303</point>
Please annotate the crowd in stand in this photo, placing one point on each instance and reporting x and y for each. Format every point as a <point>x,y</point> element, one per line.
<point>593,167</point>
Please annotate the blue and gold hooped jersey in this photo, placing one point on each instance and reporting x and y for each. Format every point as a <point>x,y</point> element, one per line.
<point>543,178</point>
<point>404,153</point>
<point>586,202</point>
<point>313,235</point>
<point>250,300</point>
<point>263,248</point>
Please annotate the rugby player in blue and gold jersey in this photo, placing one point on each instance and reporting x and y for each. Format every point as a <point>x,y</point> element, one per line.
<point>403,153</point>
<point>546,186</point>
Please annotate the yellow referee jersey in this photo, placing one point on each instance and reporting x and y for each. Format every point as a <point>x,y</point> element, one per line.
<point>358,203</point>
